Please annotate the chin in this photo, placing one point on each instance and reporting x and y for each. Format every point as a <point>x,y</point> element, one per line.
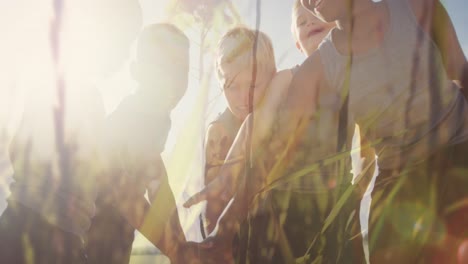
<point>240,116</point>
<point>310,48</point>
<point>309,52</point>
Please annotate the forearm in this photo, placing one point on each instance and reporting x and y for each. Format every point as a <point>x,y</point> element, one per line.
<point>464,80</point>
<point>213,211</point>
<point>262,130</point>
<point>133,210</point>
<point>445,37</point>
<point>228,221</point>
<point>161,224</point>
<point>214,158</point>
<point>255,130</point>
<point>248,187</point>
<point>158,222</point>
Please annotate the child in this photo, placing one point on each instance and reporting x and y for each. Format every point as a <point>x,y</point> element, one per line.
<point>297,225</point>
<point>308,31</point>
<point>234,69</point>
<point>286,217</point>
<point>54,150</point>
<point>395,62</point>
<point>394,42</point>
<point>136,135</point>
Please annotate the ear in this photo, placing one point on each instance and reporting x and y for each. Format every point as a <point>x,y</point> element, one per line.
<point>298,46</point>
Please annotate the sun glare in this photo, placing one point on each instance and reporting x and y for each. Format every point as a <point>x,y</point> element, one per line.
<point>95,80</point>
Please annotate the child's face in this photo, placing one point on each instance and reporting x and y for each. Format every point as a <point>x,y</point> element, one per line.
<point>161,65</point>
<point>309,30</point>
<point>327,10</point>
<point>167,82</point>
<point>179,82</point>
<point>175,82</point>
<point>237,82</point>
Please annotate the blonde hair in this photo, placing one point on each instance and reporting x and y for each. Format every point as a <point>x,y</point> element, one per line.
<point>297,4</point>
<point>237,46</point>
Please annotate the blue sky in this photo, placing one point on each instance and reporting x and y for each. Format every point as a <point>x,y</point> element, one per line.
<point>458,10</point>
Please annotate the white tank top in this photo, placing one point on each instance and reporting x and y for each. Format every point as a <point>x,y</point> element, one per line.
<point>399,92</point>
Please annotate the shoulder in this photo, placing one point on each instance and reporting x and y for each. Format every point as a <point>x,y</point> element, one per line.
<point>216,132</point>
<point>218,141</point>
<point>224,116</point>
<point>277,89</point>
<point>282,77</point>
<point>310,72</point>
<point>306,83</point>
<point>281,81</point>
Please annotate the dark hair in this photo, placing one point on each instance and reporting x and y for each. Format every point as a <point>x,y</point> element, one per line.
<point>162,38</point>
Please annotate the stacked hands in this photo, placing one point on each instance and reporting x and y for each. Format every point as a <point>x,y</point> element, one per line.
<point>212,250</point>
<point>216,248</point>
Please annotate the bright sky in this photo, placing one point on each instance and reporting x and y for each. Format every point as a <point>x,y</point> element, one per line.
<point>195,110</point>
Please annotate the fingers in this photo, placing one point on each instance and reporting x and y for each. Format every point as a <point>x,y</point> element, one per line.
<point>208,194</point>
<point>211,191</point>
<point>196,198</point>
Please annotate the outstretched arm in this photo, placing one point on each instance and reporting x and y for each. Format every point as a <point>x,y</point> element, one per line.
<point>158,221</point>
<point>260,123</point>
<point>161,222</point>
<point>217,145</point>
<point>290,105</point>
<point>440,27</point>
